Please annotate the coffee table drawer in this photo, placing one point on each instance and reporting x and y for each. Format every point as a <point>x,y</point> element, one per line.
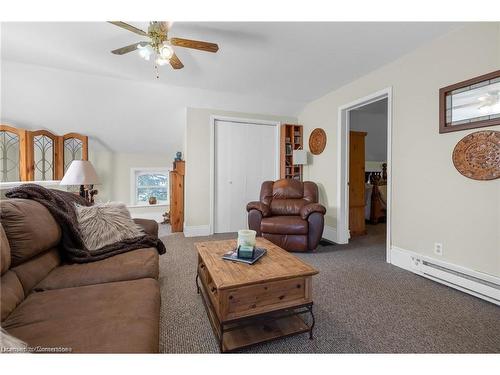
<point>259,298</point>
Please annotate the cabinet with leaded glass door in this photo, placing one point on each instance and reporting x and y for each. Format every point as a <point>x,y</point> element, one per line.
<point>43,153</point>
<point>38,155</point>
<point>13,154</point>
<point>75,147</point>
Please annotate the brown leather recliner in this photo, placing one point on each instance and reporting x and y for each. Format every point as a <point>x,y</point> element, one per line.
<point>288,214</point>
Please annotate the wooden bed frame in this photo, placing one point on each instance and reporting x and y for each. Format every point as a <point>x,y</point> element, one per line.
<point>378,211</point>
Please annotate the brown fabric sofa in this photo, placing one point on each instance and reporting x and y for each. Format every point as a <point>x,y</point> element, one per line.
<point>288,214</point>
<point>109,306</point>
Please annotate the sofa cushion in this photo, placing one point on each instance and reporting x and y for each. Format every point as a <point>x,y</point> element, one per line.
<point>120,317</point>
<point>30,228</point>
<point>284,225</point>
<point>131,265</point>
<point>4,251</point>
<point>31,272</point>
<point>11,293</point>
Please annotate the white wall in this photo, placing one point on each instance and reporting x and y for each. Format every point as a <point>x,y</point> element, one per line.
<point>197,179</point>
<point>431,201</point>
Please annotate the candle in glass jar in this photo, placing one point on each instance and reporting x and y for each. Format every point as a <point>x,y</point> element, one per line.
<point>246,237</point>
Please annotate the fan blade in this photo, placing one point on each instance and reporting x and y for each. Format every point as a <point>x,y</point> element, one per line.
<point>175,62</point>
<point>128,27</point>
<point>129,48</point>
<point>196,44</point>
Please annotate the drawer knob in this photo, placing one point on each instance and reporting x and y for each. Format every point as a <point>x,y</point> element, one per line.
<point>298,286</point>
<point>230,297</point>
<point>281,297</point>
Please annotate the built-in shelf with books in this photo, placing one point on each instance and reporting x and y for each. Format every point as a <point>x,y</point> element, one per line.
<point>291,139</point>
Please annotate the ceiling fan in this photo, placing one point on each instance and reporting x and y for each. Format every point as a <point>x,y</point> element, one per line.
<point>160,46</point>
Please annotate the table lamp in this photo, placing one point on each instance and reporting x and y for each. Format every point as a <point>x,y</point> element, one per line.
<point>81,172</point>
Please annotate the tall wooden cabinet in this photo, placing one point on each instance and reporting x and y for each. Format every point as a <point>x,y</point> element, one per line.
<point>177,196</point>
<point>357,183</point>
<point>291,139</point>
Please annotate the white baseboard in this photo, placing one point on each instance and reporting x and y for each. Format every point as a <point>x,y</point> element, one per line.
<point>476,283</point>
<point>330,233</point>
<point>196,230</point>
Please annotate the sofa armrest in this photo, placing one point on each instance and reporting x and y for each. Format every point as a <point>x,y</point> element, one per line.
<point>259,206</point>
<point>308,209</point>
<point>149,226</point>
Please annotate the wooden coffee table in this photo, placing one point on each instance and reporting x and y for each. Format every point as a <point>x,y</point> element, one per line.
<point>250,304</point>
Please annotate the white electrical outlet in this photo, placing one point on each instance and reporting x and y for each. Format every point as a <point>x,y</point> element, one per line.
<point>438,248</point>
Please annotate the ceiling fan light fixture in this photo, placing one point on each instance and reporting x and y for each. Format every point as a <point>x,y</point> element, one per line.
<point>161,61</point>
<point>145,51</point>
<point>166,51</point>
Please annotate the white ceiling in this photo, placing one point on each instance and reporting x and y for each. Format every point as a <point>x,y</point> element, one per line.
<point>294,61</point>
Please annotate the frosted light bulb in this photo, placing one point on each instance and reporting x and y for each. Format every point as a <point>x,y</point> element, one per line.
<point>166,51</point>
<point>144,51</point>
<point>161,61</point>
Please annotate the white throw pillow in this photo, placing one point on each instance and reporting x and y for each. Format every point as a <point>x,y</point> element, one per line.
<point>106,223</point>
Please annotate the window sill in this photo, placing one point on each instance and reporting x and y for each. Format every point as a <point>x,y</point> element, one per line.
<point>147,205</point>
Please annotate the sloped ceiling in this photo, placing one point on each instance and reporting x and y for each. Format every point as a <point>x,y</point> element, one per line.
<point>62,76</point>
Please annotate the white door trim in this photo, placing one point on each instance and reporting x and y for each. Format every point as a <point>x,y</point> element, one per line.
<point>242,120</point>
<point>343,164</point>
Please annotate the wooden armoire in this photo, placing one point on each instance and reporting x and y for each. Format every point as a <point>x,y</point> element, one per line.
<point>177,196</point>
<point>357,183</point>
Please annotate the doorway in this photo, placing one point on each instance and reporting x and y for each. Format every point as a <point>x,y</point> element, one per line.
<point>346,116</point>
<point>245,153</point>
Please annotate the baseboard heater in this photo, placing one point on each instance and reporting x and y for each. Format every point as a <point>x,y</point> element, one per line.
<point>480,285</point>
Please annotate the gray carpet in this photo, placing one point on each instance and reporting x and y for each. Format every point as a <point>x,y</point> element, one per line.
<point>362,305</point>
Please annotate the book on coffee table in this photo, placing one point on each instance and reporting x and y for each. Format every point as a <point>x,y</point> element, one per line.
<point>233,256</point>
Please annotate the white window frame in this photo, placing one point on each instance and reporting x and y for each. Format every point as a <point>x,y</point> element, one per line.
<point>134,172</point>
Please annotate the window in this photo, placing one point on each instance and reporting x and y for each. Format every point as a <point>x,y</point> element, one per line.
<point>147,183</point>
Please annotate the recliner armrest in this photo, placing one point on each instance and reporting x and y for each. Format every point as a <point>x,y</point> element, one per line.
<point>259,206</point>
<point>149,226</point>
<point>308,209</point>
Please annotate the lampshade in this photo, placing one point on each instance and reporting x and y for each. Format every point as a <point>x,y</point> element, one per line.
<point>80,172</point>
<point>299,157</point>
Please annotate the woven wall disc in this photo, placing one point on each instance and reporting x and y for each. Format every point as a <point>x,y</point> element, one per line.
<point>317,141</point>
<point>477,155</point>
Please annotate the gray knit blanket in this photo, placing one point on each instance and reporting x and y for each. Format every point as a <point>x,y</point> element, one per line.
<point>61,205</point>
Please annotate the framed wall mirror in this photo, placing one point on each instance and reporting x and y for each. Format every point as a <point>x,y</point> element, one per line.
<point>470,104</point>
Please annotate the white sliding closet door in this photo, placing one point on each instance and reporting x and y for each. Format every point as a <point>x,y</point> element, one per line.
<point>245,156</point>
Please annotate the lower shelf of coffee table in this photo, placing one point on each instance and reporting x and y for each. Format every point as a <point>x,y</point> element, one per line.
<point>249,331</point>
<point>262,332</point>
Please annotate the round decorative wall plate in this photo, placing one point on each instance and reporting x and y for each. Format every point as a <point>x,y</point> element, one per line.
<point>477,155</point>
<point>317,141</point>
